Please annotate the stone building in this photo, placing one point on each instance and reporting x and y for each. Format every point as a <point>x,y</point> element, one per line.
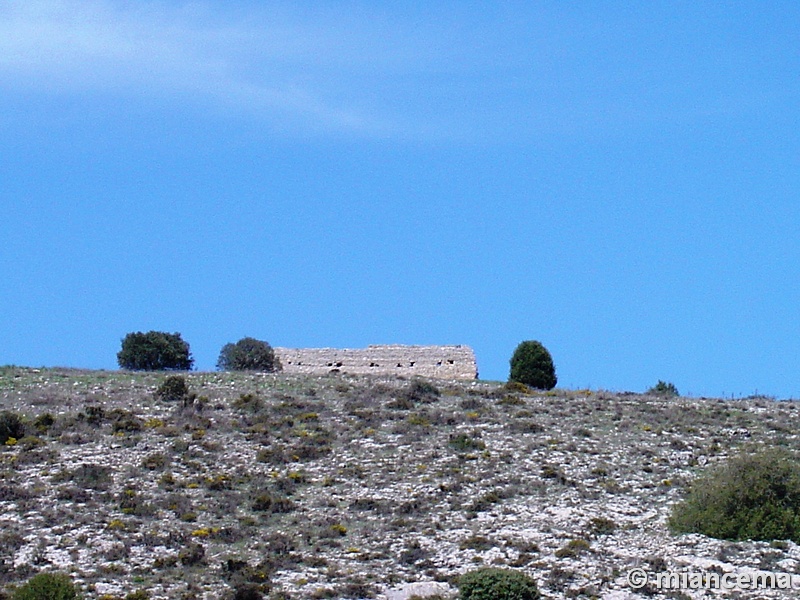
<point>443,362</point>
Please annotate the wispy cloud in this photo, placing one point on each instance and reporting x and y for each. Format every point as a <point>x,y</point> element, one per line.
<point>364,70</point>
<point>351,69</point>
<point>264,62</point>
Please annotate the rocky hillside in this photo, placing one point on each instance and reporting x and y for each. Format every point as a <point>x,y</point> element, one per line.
<point>353,487</point>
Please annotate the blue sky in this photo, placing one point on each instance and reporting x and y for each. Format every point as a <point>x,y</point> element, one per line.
<point>618,180</point>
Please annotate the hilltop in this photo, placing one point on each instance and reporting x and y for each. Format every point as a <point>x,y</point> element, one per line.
<point>344,486</point>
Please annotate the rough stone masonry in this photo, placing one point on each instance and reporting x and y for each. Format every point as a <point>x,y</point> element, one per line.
<point>443,362</point>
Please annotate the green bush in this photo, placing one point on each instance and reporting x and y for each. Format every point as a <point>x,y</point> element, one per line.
<point>44,422</point>
<point>272,503</point>
<point>516,387</point>
<point>154,351</point>
<point>663,388</point>
<point>573,548</point>
<point>751,497</point>
<point>497,584</point>
<point>420,390</point>
<point>47,586</point>
<point>463,442</point>
<point>248,354</point>
<point>248,592</point>
<point>248,403</point>
<point>532,365</point>
<point>11,426</point>
<point>173,389</point>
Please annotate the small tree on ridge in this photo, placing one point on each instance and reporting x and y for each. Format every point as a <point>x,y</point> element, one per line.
<point>248,354</point>
<point>532,365</point>
<point>154,351</point>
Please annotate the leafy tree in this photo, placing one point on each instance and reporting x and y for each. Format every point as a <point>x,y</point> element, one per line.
<point>751,497</point>
<point>154,351</point>
<point>248,354</point>
<point>532,365</point>
<point>47,586</point>
<point>491,583</point>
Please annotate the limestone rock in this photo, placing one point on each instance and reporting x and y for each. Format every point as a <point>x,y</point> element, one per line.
<point>423,589</point>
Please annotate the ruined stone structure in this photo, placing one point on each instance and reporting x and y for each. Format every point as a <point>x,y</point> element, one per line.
<point>444,362</point>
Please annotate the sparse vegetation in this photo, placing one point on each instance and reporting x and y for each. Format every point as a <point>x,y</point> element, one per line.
<point>363,483</point>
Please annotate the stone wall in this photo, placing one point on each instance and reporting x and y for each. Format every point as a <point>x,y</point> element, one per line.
<point>444,362</point>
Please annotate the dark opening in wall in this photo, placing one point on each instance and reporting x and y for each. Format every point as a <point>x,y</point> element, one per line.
<point>338,364</point>
<point>449,362</point>
<point>412,363</point>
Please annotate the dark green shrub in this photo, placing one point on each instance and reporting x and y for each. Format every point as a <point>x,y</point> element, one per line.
<point>192,554</point>
<point>132,503</point>
<point>421,391</point>
<point>154,351</point>
<point>401,403</point>
<point>173,389</point>
<point>44,422</point>
<point>751,497</point>
<point>414,553</point>
<point>94,415</point>
<point>11,426</point>
<point>125,420</point>
<point>248,592</point>
<point>484,502</point>
<point>497,584</point>
<point>315,443</point>
<point>92,476</point>
<point>516,387</point>
<point>47,586</point>
<point>272,503</point>
<point>663,388</point>
<point>573,548</point>
<point>602,526</point>
<point>532,365</point>
<point>463,442</point>
<point>248,354</point>
<point>477,542</point>
<point>249,403</point>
